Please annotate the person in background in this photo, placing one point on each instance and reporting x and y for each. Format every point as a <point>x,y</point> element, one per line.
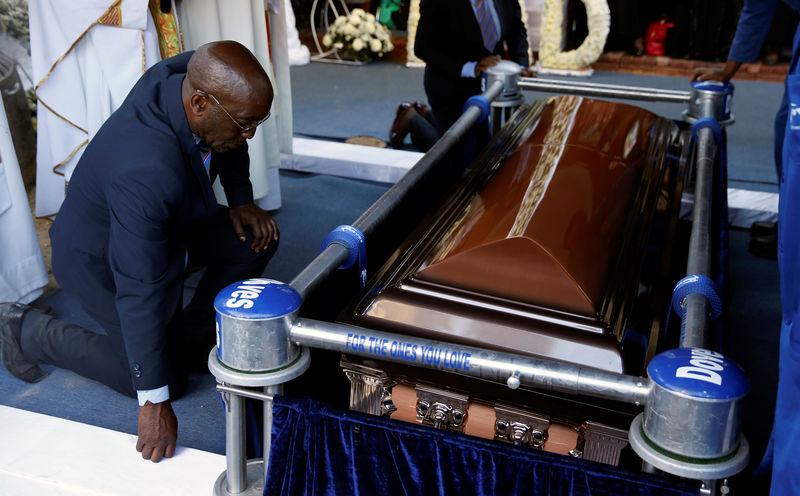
<point>140,211</point>
<point>458,41</point>
<point>754,24</point>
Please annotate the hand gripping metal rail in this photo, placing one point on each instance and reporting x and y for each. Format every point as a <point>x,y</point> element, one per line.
<point>692,398</point>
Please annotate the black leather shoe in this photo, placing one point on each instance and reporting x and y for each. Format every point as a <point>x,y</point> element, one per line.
<point>763,228</point>
<point>764,246</point>
<point>11,315</point>
<point>421,108</point>
<point>400,125</point>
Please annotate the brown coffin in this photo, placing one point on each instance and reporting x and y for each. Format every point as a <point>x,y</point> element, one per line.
<point>539,251</point>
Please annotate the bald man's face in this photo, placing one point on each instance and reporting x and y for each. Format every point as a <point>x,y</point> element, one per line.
<point>229,119</point>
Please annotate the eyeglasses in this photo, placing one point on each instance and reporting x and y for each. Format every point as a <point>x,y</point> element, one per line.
<point>242,129</point>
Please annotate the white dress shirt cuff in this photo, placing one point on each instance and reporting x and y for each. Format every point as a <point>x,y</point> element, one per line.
<point>158,395</point>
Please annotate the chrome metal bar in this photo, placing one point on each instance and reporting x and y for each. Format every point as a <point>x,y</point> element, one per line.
<point>504,368</point>
<point>587,84</point>
<point>605,90</point>
<point>269,392</point>
<point>235,455</point>
<point>247,393</point>
<point>694,326</point>
<point>334,255</point>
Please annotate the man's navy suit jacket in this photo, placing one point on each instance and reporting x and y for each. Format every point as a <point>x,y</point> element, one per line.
<point>137,194</point>
<point>448,36</point>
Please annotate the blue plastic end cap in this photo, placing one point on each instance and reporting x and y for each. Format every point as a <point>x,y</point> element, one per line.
<point>257,299</point>
<point>719,86</point>
<point>698,373</point>
<point>482,103</point>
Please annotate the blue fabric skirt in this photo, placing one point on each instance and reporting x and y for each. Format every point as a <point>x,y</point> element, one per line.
<point>320,450</point>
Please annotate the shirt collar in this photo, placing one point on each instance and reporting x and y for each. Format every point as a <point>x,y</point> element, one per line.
<point>200,143</point>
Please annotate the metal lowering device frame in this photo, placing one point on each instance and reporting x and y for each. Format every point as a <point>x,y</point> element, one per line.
<point>692,397</point>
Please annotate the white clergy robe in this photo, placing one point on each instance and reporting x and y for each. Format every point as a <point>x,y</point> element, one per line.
<point>86,56</point>
<point>22,271</point>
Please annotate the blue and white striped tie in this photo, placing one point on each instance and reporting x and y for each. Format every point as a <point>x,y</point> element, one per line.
<point>488,29</point>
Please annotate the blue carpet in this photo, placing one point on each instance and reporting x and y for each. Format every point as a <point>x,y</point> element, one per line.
<point>312,206</point>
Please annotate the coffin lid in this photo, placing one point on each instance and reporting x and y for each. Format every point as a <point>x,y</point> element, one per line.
<point>546,229</point>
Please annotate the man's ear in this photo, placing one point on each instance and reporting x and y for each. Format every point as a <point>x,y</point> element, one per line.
<point>198,103</point>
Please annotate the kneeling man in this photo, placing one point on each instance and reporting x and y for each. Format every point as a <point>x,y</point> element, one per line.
<point>139,211</point>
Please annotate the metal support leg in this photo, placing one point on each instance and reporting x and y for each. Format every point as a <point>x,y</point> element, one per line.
<point>235,455</point>
<point>244,477</point>
<point>269,391</point>
<point>648,468</point>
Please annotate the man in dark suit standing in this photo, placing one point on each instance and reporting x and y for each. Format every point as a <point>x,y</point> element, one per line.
<point>459,40</point>
<point>138,212</point>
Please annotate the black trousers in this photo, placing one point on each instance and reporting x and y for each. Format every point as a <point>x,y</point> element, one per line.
<point>446,98</point>
<point>190,332</point>
<point>424,131</point>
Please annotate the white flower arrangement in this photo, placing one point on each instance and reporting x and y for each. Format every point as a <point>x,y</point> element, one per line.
<point>359,36</point>
<point>598,19</point>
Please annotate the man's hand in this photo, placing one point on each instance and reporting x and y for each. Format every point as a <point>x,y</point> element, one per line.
<point>158,431</point>
<point>486,63</point>
<point>264,228</point>
<point>706,74</point>
<point>723,75</point>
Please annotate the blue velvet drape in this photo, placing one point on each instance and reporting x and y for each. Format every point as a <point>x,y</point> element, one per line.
<point>320,450</point>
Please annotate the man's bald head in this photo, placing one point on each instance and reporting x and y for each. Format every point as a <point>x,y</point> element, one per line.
<point>227,68</point>
<point>225,82</point>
